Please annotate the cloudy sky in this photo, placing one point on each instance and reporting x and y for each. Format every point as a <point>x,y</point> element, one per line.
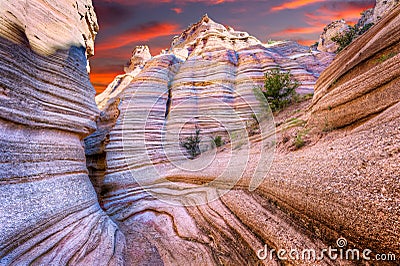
<point>127,23</point>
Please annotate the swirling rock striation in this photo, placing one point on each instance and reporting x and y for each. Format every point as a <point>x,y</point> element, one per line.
<point>49,210</point>
<point>135,160</point>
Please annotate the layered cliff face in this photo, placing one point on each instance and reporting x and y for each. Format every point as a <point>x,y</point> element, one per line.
<point>222,207</point>
<point>49,209</point>
<point>363,81</point>
<point>170,207</point>
<point>359,92</point>
<point>175,210</point>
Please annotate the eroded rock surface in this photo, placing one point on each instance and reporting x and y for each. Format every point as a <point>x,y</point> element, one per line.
<point>163,213</point>
<point>209,70</point>
<point>332,30</point>
<point>362,81</point>
<point>340,27</point>
<point>49,210</point>
<point>383,7</point>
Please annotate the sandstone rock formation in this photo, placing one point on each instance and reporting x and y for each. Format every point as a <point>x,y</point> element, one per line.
<point>383,7</point>
<point>335,28</point>
<point>345,185</point>
<point>160,208</point>
<point>363,81</point>
<point>139,169</point>
<point>360,92</point>
<point>368,17</point>
<point>140,56</point>
<point>49,213</point>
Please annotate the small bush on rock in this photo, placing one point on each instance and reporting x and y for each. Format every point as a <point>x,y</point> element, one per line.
<point>192,144</point>
<point>279,89</point>
<point>218,141</point>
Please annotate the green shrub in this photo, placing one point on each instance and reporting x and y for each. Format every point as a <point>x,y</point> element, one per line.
<point>298,141</point>
<point>279,89</point>
<point>385,57</point>
<point>365,28</point>
<point>253,126</point>
<point>344,39</point>
<point>218,141</point>
<point>192,144</point>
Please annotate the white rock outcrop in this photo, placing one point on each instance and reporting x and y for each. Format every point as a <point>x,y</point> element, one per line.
<point>334,29</point>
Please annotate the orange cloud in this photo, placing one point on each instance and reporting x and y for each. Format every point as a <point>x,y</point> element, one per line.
<point>100,81</point>
<point>350,13</point>
<point>299,31</point>
<point>177,10</point>
<point>295,4</point>
<point>306,42</point>
<point>143,34</point>
<point>327,13</point>
<point>139,2</point>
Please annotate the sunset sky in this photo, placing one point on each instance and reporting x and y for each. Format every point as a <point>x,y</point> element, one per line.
<point>127,23</point>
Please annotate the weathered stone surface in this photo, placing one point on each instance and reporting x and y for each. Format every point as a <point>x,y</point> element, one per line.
<point>65,26</point>
<point>334,29</point>
<point>345,185</point>
<point>383,7</point>
<point>140,55</point>
<point>363,80</point>
<point>49,210</point>
<point>138,166</point>
<point>360,93</point>
<point>367,17</point>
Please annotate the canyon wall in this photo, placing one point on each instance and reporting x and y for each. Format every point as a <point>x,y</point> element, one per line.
<point>148,202</point>
<point>340,27</point>
<point>332,30</point>
<point>168,206</point>
<point>175,210</point>
<point>363,80</point>
<point>49,210</point>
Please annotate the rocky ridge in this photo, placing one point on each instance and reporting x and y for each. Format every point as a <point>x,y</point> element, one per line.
<point>368,17</point>
<point>209,70</point>
<point>332,30</point>
<point>49,210</point>
<point>360,82</point>
<point>158,207</point>
<point>340,186</point>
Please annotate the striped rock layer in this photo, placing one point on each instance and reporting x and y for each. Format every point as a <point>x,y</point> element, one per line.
<point>170,208</point>
<point>49,212</point>
<point>362,81</point>
<point>359,93</point>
